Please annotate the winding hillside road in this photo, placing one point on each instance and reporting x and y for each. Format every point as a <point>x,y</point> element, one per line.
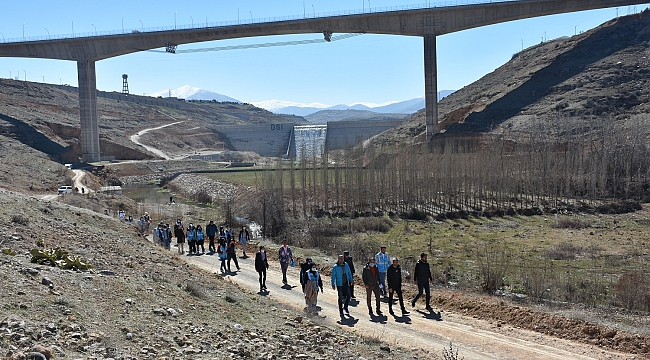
<point>475,339</point>
<point>136,139</point>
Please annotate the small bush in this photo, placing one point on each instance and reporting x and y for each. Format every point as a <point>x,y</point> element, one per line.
<point>621,207</point>
<point>493,261</point>
<point>571,223</point>
<point>633,291</point>
<point>450,354</point>
<point>563,251</point>
<point>415,214</point>
<point>20,219</point>
<point>196,290</point>
<point>202,197</point>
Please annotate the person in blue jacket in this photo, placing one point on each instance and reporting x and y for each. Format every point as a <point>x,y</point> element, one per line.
<point>200,239</point>
<point>341,281</point>
<point>383,262</point>
<point>191,238</point>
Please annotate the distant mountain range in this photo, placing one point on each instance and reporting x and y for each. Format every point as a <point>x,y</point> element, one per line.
<point>193,93</point>
<point>325,116</point>
<point>292,108</point>
<point>401,107</point>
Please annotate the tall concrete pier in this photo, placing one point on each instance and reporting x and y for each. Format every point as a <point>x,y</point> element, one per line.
<point>88,110</point>
<point>424,22</point>
<point>430,85</point>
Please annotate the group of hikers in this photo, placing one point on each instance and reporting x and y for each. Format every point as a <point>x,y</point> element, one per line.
<point>226,248</point>
<point>381,275</point>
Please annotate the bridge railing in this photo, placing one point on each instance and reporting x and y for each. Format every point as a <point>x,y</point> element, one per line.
<point>252,21</point>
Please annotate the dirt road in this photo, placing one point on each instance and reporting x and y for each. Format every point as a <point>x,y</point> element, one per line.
<point>429,331</point>
<point>136,139</point>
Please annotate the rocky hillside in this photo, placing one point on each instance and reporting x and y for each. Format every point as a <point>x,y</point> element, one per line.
<point>603,73</point>
<point>46,118</point>
<point>138,301</point>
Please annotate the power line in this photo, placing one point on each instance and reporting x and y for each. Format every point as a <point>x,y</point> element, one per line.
<point>263,45</point>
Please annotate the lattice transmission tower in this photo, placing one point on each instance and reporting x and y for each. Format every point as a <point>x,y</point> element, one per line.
<point>125,84</point>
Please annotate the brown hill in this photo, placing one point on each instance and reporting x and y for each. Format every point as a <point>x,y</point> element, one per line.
<point>46,118</point>
<point>600,74</point>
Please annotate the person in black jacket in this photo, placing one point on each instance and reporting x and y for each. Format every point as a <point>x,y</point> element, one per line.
<point>422,277</point>
<point>370,276</point>
<point>348,259</point>
<point>394,279</point>
<point>261,265</point>
<point>303,270</point>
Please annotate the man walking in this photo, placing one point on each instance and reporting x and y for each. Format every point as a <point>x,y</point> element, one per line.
<point>285,256</point>
<point>261,265</point>
<point>348,260</point>
<point>394,279</point>
<point>341,281</point>
<point>211,232</point>
<point>422,277</point>
<point>370,277</point>
<point>383,262</point>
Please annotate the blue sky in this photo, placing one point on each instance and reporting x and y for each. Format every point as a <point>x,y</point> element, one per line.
<point>366,68</point>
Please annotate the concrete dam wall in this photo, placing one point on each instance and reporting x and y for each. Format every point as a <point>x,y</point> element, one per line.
<point>279,139</point>
<point>343,134</point>
<point>264,139</point>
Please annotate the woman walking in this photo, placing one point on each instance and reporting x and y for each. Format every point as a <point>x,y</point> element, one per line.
<point>222,250</point>
<point>191,238</point>
<point>312,283</point>
<point>232,252</point>
<point>180,237</point>
<point>200,239</point>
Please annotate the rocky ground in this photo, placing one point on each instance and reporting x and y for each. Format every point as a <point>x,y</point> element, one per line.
<point>139,301</point>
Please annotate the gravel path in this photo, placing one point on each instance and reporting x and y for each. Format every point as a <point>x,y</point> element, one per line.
<point>420,329</point>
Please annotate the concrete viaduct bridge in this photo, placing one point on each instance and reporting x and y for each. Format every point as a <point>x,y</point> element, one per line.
<point>426,23</point>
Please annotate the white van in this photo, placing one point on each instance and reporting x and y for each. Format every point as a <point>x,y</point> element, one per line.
<point>65,189</point>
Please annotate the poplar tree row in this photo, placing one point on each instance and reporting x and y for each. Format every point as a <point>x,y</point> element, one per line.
<point>553,167</point>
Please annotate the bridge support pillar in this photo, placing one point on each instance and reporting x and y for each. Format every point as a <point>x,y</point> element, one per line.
<point>88,110</point>
<point>430,85</point>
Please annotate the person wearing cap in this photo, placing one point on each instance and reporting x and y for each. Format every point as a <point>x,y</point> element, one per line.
<point>303,270</point>
<point>370,278</point>
<point>348,260</point>
<point>394,280</point>
<point>383,262</point>
<point>312,283</point>
<point>341,281</point>
<point>261,265</point>
<point>422,277</point>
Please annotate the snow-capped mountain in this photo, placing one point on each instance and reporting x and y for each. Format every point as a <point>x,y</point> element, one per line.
<point>272,105</point>
<point>391,107</point>
<point>188,92</point>
<point>193,93</point>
